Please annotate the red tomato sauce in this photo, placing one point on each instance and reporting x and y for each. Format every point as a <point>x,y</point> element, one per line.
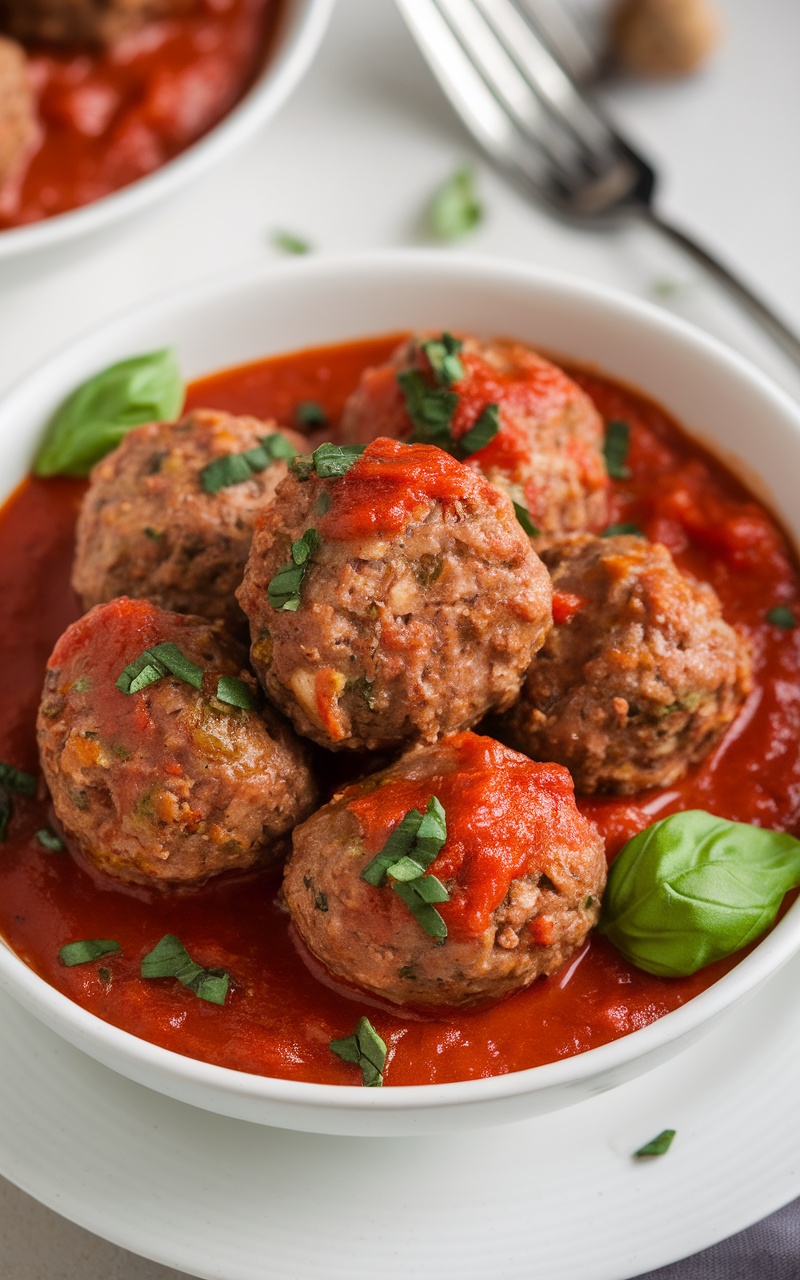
<point>109,117</point>
<point>280,1015</point>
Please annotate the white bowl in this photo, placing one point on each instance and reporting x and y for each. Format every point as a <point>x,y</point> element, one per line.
<point>713,392</point>
<point>301,27</point>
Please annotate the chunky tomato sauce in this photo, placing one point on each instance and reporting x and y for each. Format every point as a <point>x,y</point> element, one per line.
<point>109,117</point>
<point>281,1016</point>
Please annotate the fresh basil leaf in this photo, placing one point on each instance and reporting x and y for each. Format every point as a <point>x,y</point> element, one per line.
<point>283,591</point>
<point>657,1146</point>
<point>88,949</point>
<point>234,692</point>
<point>483,430</point>
<point>290,243</point>
<point>153,664</point>
<point>6,814</point>
<point>309,413</point>
<point>170,959</point>
<point>96,417</point>
<point>455,209</point>
<point>694,888</point>
<point>334,460</point>
<point>615,449</point>
<point>430,409</point>
<point>234,468</point>
<point>418,896</point>
<point>782,616</point>
<point>443,357</point>
<point>16,781</point>
<point>365,1049</point>
<point>620,530</point>
<point>50,841</point>
<point>398,845</point>
<point>524,518</point>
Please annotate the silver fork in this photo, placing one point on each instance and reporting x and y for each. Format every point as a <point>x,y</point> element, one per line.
<point>494,61</point>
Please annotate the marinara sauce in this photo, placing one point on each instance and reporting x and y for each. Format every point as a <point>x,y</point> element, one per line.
<point>281,1014</point>
<point>108,117</point>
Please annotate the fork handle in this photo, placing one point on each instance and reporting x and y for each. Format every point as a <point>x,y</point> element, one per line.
<point>760,312</point>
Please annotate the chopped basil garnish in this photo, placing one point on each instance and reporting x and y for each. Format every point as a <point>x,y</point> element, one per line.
<point>442,354</point>
<point>170,959</point>
<point>13,782</point>
<point>782,616</point>
<point>235,693</point>
<point>524,517</point>
<point>693,888</point>
<point>430,409</point>
<point>96,417</point>
<point>455,209</point>
<point>406,856</point>
<point>88,949</point>
<point>483,430</point>
<point>50,841</point>
<point>365,1049</point>
<point>233,468</point>
<point>290,243</point>
<point>334,460</point>
<point>656,1146</point>
<point>155,534</point>
<point>615,449</point>
<point>309,413</point>
<point>283,592</point>
<point>618,530</point>
<point>152,665</point>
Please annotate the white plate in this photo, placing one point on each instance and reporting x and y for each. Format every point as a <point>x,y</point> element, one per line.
<point>555,1198</point>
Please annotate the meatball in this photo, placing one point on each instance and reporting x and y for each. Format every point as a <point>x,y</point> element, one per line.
<point>547,453</point>
<point>18,127</point>
<point>664,37</point>
<point>517,882</point>
<point>396,602</point>
<point>171,784</point>
<point>640,675</point>
<point>150,527</point>
<point>83,21</point>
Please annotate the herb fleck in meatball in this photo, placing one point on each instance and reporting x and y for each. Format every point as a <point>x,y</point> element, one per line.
<point>640,675</point>
<point>399,601</point>
<point>83,21</point>
<point>521,872</point>
<point>17,119</point>
<point>156,521</point>
<point>544,447</point>
<point>171,784</point>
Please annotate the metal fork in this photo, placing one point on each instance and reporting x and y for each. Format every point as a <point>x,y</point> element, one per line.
<point>495,61</point>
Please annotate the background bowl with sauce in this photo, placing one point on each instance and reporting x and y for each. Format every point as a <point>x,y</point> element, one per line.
<point>293,32</point>
<point>228,322</point>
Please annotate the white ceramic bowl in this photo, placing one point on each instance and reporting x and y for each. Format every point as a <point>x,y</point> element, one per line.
<point>301,27</point>
<point>720,398</point>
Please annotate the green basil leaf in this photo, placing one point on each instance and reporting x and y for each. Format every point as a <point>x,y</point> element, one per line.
<point>618,530</point>
<point>334,460</point>
<point>483,430</point>
<point>694,888</point>
<point>524,518</point>
<point>96,417</point>
<point>430,409</point>
<point>6,814</point>
<point>88,949</point>
<point>153,664</point>
<point>398,845</point>
<point>416,839</point>
<point>455,209</point>
<point>365,1049</point>
<point>290,243</point>
<point>170,959</point>
<point>50,841</point>
<point>782,616</point>
<point>283,591</point>
<point>443,357</point>
<point>615,449</point>
<point>418,897</point>
<point>656,1146</point>
<point>234,692</point>
<point>16,781</point>
<point>309,413</point>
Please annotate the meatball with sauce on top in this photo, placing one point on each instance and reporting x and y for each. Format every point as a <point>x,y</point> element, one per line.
<point>392,596</point>
<point>460,874</point>
<point>169,514</point>
<point>503,409</point>
<point>640,675</point>
<point>76,22</point>
<point>161,768</point>
<point>18,126</point>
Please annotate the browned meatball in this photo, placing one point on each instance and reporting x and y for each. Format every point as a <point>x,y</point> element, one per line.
<point>171,784</point>
<point>150,527</point>
<point>399,601</point>
<point>640,675</point>
<point>521,871</point>
<point>17,116</point>
<point>547,452</point>
<point>83,21</point>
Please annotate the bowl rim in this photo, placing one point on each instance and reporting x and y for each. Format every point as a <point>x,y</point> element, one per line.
<point>298,36</point>
<point>377,269</point>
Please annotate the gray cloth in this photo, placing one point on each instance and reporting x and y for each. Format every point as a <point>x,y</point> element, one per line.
<point>770,1250</point>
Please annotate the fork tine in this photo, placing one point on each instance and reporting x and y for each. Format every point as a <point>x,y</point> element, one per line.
<point>564,37</point>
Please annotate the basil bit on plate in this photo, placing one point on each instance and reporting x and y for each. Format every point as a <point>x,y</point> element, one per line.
<point>780,615</point>
<point>615,449</point>
<point>85,950</point>
<point>155,663</point>
<point>99,414</point>
<point>455,209</point>
<point>289,242</point>
<point>657,1146</point>
<point>365,1049</point>
<point>283,591</point>
<point>170,959</point>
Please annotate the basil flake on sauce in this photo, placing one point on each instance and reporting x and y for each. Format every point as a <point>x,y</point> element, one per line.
<point>170,959</point>
<point>50,841</point>
<point>620,530</point>
<point>310,413</point>
<point>615,449</point>
<point>365,1049</point>
<point>782,616</point>
<point>85,950</point>
<point>13,782</point>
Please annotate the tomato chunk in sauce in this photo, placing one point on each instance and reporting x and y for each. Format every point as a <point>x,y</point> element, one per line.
<point>280,1016</point>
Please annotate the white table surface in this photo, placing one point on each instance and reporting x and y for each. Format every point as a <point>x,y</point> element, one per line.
<point>350,163</point>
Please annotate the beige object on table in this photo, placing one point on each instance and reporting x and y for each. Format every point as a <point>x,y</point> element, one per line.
<point>664,37</point>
